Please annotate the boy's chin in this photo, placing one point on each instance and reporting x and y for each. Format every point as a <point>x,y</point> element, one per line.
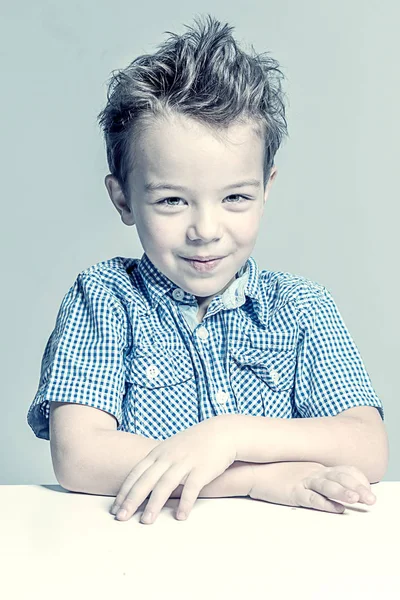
<point>205,290</point>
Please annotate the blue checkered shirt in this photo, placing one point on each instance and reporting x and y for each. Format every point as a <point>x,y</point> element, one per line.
<point>127,341</point>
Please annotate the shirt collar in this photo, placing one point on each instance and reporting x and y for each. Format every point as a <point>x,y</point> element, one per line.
<point>246,283</point>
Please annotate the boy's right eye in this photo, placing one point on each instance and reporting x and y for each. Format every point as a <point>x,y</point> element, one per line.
<point>165,201</point>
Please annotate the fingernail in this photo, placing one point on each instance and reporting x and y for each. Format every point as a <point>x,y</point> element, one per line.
<point>115,508</point>
<point>147,517</point>
<point>181,515</point>
<point>121,514</point>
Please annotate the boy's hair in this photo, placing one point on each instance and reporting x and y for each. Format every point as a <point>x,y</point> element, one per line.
<point>202,74</point>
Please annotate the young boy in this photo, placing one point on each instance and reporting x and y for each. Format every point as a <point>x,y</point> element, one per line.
<point>190,372</point>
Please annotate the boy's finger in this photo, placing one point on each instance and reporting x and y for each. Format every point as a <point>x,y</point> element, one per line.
<point>140,490</point>
<point>166,484</point>
<point>189,495</point>
<point>354,490</point>
<point>353,472</point>
<point>310,499</point>
<point>341,487</point>
<point>129,483</point>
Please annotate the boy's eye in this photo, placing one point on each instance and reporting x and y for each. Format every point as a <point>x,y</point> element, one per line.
<point>238,196</point>
<point>167,201</point>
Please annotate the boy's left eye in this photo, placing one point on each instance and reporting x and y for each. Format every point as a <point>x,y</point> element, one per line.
<point>238,196</point>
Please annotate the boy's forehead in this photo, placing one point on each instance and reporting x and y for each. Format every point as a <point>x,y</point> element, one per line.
<point>165,151</point>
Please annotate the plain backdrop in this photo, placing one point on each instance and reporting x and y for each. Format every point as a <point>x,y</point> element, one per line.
<point>332,214</point>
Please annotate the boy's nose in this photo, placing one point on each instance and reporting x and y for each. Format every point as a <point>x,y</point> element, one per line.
<point>205,227</point>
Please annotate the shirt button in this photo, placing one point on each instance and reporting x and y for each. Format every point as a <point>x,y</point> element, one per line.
<point>152,371</point>
<point>222,397</point>
<point>275,376</point>
<point>202,333</point>
<point>178,294</point>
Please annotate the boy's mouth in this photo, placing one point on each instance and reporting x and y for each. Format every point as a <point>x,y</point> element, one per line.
<point>204,264</point>
<point>202,258</point>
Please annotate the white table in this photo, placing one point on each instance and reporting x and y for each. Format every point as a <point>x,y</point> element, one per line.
<point>57,544</point>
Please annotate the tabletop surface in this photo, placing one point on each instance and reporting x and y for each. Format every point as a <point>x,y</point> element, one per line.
<point>60,544</point>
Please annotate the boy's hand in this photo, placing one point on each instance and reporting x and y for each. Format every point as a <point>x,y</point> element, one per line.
<point>315,486</point>
<point>321,489</point>
<point>193,457</point>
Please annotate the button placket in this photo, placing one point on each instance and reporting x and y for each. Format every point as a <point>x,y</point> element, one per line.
<point>202,333</point>
<point>222,397</point>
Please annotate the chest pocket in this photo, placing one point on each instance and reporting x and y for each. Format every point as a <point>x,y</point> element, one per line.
<point>162,393</point>
<point>262,379</point>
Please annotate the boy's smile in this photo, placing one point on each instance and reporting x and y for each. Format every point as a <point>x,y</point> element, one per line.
<point>196,198</point>
<point>204,264</point>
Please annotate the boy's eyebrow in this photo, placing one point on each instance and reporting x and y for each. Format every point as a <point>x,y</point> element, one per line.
<point>152,187</point>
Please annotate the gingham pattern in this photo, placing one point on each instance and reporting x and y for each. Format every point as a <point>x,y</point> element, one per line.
<point>126,341</point>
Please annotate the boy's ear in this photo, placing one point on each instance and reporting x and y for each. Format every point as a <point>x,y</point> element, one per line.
<point>271,179</point>
<point>118,199</point>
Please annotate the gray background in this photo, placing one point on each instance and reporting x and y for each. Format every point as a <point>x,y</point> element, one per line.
<point>332,214</point>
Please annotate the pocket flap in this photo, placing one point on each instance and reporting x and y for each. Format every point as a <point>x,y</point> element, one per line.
<point>276,367</point>
<point>159,367</point>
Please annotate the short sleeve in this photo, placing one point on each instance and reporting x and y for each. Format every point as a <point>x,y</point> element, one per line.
<point>83,359</point>
<point>330,374</point>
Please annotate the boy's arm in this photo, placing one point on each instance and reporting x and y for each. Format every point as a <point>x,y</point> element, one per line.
<point>91,456</point>
<point>356,436</point>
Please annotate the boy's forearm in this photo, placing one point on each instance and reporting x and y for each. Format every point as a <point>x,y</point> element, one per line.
<point>102,462</point>
<point>275,480</point>
<point>106,458</point>
<point>327,440</point>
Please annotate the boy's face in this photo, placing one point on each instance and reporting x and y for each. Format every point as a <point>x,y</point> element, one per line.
<point>210,215</point>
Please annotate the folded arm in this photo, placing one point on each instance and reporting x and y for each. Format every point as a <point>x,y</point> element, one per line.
<point>91,456</point>
<point>354,437</point>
